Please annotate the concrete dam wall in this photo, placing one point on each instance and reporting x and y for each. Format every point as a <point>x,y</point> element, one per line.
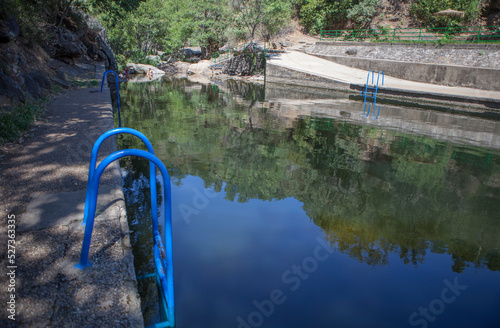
<point>473,66</point>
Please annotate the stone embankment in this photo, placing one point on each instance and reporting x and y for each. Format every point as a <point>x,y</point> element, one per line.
<point>64,53</point>
<point>473,55</point>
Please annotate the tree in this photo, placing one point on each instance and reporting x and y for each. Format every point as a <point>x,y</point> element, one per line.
<point>203,22</point>
<point>316,15</point>
<point>143,31</point>
<point>277,14</point>
<point>248,15</point>
<point>424,11</point>
<point>269,15</point>
<point>363,12</point>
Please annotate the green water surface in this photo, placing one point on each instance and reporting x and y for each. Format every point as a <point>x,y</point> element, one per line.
<point>291,209</point>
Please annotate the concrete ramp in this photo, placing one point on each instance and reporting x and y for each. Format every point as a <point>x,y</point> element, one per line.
<point>298,68</point>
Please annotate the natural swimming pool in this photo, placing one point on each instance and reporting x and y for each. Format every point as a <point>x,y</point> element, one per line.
<point>291,209</point>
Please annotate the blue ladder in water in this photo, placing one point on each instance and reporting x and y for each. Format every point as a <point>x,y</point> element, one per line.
<point>371,92</point>
<point>162,255</point>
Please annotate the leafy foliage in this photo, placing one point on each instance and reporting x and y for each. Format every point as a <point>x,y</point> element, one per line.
<point>363,12</point>
<point>204,23</point>
<point>137,28</point>
<point>316,15</point>
<point>424,11</point>
<point>264,16</point>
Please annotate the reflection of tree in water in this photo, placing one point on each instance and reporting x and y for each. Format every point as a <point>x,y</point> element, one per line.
<point>374,192</point>
<point>148,290</point>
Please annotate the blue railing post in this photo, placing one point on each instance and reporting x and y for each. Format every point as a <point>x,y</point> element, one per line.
<point>373,94</point>
<point>165,259</point>
<point>93,162</point>
<point>376,91</point>
<point>117,93</point>
<point>366,90</point>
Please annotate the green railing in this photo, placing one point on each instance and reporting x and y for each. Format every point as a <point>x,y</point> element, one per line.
<point>461,34</point>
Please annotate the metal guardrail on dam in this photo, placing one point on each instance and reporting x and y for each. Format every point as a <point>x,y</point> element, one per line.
<point>465,34</point>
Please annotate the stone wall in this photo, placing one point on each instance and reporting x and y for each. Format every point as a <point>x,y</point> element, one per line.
<point>470,55</point>
<point>244,65</point>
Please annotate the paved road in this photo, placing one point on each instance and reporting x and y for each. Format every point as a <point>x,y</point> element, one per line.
<point>321,67</point>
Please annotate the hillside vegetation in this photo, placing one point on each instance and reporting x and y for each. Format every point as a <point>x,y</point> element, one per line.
<point>140,27</point>
<point>137,28</point>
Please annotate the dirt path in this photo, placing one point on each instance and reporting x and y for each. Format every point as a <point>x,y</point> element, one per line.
<point>42,188</point>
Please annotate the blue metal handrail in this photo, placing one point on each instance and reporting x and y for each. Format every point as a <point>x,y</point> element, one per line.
<point>93,161</point>
<point>367,83</point>
<point>372,94</point>
<point>117,93</point>
<point>163,256</point>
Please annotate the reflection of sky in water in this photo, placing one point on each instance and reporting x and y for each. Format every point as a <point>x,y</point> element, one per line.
<point>232,254</point>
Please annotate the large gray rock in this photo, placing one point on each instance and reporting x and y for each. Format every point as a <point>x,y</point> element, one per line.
<point>191,51</point>
<point>243,65</point>
<point>143,69</point>
<point>60,82</point>
<point>71,70</point>
<point>32,86</point>
<point>154,58</point>
<point>352,52</point>
<point>493,19</point>
<point>40,78</point>
<point>103,42</point>
<point>69,50</point>
<point>202,67</point>
<point>10,89</point>
<point>9,30</point>
<point>101,39</point>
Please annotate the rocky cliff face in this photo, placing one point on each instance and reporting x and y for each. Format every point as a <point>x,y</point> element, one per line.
<point>28,67</point>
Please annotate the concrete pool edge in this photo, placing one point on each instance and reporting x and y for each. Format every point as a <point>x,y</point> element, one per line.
<point>293,71</point>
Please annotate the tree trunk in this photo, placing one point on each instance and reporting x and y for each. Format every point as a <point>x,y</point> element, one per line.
<point>65,11</point>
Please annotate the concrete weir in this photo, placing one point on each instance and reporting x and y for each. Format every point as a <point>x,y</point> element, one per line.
<point>50,170</point>
<point>470,66</point>
<point>296,68</point>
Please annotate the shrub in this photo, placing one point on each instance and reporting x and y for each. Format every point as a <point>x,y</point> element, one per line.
<point>424,11</point>
<point>362,13</point>
<point>317,15</point>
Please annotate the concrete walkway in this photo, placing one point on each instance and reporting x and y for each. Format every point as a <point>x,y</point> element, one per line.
<point>42,184</point>
<point>323,68</point>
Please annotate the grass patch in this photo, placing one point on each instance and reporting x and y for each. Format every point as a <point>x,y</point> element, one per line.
<point>85,83</point>
<point>16,120</point>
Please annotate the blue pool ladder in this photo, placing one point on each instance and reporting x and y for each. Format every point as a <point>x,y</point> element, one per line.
<point>371,92</point>
<point>117,93</point>
<point>93,162</point>
<point>162,255</point>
